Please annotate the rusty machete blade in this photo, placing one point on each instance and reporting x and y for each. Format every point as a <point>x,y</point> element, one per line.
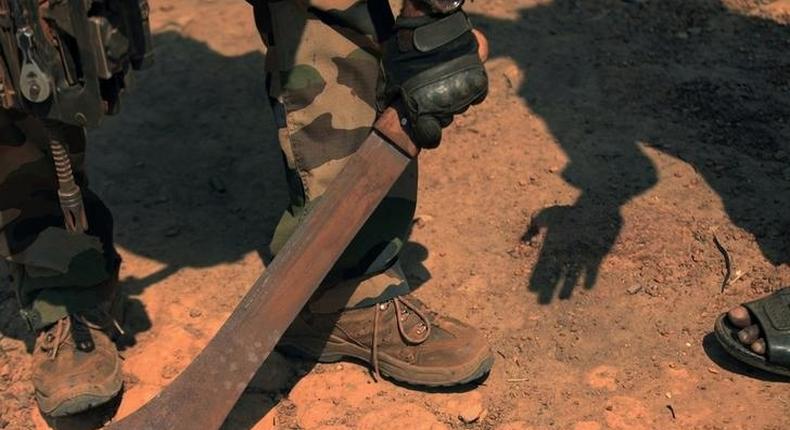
<point>204,393</point>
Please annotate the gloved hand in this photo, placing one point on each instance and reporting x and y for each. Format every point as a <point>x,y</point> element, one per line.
<point>432,65</point>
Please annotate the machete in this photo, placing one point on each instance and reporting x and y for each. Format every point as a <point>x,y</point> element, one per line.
<point>204,393</point>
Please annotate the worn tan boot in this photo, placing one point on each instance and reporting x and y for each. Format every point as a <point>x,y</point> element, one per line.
<point>400,338</point>
<point>76,366</point>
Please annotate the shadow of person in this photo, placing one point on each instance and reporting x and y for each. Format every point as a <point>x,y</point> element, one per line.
<point>193,175</point>
<point>695,80</point>
<point>191,169</point>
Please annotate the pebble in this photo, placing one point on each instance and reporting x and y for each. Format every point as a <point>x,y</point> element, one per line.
<point>472,414</point>
<point>635,289</point>
<point>194,313</point>
<point>169,371</point>
<point>470,408</point>
<point>423,220</point>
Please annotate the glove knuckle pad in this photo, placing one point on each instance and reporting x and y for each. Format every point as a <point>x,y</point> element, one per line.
<point>451,94</point>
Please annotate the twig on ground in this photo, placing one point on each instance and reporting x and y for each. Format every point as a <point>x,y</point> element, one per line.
<point>727,262</point>
<point>738,275</point>
<point>672,410</point>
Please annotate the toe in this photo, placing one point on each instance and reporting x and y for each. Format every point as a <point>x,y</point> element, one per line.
<point>740,317</point>
<point>749,335</point>
<point>758,347</point>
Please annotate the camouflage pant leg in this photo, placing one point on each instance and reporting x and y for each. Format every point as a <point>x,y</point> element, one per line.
<point>322,82</point>
<point>54,272</point>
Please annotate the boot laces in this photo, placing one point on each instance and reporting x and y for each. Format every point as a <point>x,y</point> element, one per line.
<point>403,309</point>
<point>77,329</point>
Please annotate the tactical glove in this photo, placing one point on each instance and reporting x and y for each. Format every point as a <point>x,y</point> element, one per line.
<point>431,65</point>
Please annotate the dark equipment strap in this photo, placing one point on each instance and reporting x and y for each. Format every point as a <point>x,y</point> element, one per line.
<point>383,18</point>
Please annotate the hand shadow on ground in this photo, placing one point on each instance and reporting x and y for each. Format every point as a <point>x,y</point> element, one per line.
<point>692,79</point>
<point>191,168</point>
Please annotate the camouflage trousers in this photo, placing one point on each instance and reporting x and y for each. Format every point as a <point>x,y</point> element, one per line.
<point>54,272</point>
<point>322,70</point>
<point>322,65</point>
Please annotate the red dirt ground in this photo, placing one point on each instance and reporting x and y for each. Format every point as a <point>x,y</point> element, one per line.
<point>571,218</point>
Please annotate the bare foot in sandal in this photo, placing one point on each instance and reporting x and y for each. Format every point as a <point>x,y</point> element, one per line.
<point>750,334</point>
<point>758,332</point>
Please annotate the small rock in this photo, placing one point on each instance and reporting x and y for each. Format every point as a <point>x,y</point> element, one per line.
<point>471,409</point>
<point>195,313</point>
<point>471,415</point>
<point>169,371</point>
<point>633,290</point>
<point>423,220</point>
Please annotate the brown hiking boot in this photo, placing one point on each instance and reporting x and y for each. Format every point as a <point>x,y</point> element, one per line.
<point>400,338</point>
<point>76,366</point>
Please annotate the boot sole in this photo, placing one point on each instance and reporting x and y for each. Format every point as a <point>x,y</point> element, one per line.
<point>332,352</point>
<point>79,405</point>
<point>82,402</point>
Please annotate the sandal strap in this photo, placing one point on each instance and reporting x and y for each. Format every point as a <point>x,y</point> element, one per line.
<point>773,315</point>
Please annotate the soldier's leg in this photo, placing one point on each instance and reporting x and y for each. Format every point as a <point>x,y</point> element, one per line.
<point>323,71</point>
<point>59,276</point>
<point>323,83</point>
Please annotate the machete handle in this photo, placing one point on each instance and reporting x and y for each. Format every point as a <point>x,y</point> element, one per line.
<point>393,125</point>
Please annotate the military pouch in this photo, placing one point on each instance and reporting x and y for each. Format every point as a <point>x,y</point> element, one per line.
<point>69,60</point>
